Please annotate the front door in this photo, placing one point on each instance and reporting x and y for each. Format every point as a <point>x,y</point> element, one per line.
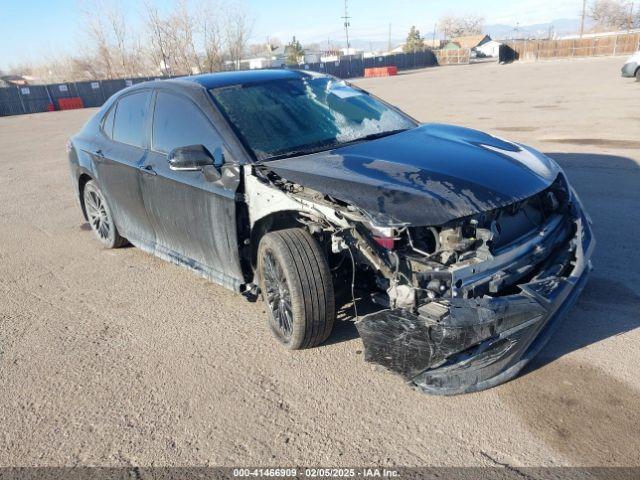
<point>194,219</point>
<point>120,153</point>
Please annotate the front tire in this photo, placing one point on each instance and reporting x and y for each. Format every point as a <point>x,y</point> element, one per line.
<point>296,284</point>
<point>100,217</point>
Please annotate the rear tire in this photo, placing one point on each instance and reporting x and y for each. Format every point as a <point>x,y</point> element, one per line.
<point>296,284</point>
<point>638,74</point>
<point>100,217</point>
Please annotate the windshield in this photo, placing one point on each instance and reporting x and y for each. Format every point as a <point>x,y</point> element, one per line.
<point>303,115</point>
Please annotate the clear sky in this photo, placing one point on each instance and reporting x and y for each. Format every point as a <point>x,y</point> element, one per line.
<point>32,30</point>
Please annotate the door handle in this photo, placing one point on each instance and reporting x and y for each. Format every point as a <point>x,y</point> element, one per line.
<point>99,153</point>
<point>148,169</point>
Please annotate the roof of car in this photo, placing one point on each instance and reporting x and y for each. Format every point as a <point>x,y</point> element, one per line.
<point>243,77</point>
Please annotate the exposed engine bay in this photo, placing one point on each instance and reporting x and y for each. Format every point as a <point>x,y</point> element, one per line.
<point>464,291</point>
<point>416,265</point>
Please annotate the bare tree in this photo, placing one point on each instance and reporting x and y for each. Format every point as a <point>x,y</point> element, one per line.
<point>83,68</point>
<point>183,40</point>
<point>209,25</point>
<point>97,40</point>
<point>612,14</point>
<point>458,26</point>
<point>56,69</point>
<point>256,49</point>
<point>180,30</point>
<point>115,17</point>
<point>237,29</point>
<point>107,39</point>
<point>157,39</point>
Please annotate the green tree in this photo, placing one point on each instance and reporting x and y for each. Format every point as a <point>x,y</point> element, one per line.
<point>294,52</point>
<point>414,43</point>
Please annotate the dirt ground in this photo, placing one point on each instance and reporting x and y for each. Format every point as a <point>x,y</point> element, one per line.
<point>118,358</point>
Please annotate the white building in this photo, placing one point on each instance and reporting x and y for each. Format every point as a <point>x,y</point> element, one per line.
<point>489,49</point>
<point>351,51</point>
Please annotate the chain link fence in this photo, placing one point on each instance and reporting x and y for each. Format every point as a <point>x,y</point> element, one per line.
<point>42,98</point>
<point>19,100</point>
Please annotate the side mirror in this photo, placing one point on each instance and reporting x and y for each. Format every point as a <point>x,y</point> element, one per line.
<point>190,158</point>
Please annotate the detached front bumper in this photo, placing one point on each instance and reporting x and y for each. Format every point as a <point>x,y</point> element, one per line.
<point>461,345</point>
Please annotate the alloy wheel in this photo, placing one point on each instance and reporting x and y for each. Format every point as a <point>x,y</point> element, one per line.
<point>277,294</point>
<point>98,217</point>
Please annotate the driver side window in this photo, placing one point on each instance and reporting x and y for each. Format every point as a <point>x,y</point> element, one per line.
<point>177,122</point>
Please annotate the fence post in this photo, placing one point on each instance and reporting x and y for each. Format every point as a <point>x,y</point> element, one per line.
<point>24,110</point>
<point>102,91</point>
<point>46,88</point>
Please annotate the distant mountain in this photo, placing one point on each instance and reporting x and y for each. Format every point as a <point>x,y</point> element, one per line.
<point>557,28</point>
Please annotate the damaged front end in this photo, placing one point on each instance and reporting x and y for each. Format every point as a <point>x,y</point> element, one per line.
<point>461,305</point>
<point>473,301</point>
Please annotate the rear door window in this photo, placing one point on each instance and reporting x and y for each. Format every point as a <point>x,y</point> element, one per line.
<point>107,123</point>
<point>177,122</point>
<point>129,125</point>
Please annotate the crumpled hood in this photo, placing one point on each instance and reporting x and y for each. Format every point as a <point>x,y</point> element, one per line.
<point>425,176</point>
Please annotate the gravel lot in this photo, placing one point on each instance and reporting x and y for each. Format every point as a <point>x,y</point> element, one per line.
<point>118,358</point>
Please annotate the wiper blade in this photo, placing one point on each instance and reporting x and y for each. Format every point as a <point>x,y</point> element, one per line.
<point>373,136</point>
<point>388,133</point>
<point>331,145</point>
<point>300,152</point>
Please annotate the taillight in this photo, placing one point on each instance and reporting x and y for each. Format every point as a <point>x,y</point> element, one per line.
<point>386,242</point>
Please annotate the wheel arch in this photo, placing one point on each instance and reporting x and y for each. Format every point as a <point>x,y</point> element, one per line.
<point>83,179</point>
<point>279,220</point>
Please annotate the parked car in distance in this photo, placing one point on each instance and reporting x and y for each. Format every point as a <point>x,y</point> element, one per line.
<point>304,189</point>
<point>631,68</point>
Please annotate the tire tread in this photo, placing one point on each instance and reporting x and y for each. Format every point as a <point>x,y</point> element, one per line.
<point>312,295</point>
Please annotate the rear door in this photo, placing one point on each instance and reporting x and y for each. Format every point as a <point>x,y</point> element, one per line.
<point>194,219</point>
<point>118,158</point>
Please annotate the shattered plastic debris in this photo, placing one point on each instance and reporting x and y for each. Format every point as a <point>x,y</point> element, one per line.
<point>409,344</point>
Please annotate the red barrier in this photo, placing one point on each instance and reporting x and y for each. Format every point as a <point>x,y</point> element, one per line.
<point>51,107</point>
<point>70,103</point>
<point>380,71</point>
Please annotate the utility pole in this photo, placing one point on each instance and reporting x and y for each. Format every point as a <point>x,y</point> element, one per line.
<point>435,27</point>
<point>584,13</point>
<point>389,41</point>
<point>346,25</point>
<point>631,17</point>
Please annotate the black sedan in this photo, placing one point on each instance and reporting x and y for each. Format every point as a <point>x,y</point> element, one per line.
<point>310,192</point>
